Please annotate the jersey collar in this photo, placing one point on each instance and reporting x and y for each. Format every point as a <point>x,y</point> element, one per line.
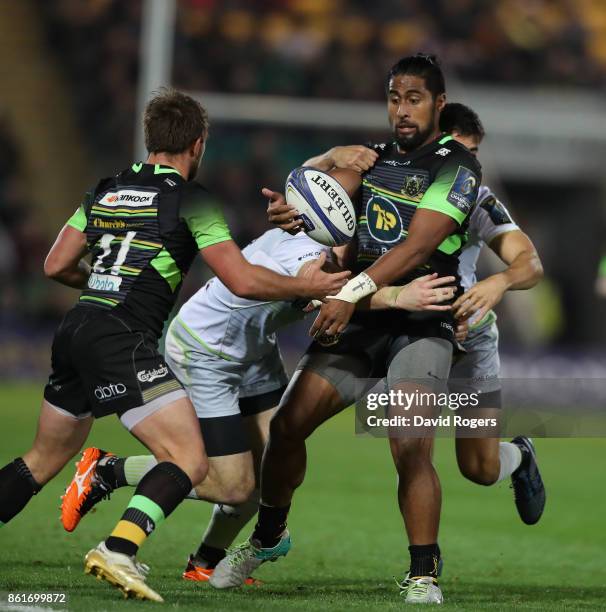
<point>157,168</point>
<point>439,141</point>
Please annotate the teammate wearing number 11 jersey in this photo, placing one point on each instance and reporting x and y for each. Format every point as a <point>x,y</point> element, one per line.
<point>142,229</point>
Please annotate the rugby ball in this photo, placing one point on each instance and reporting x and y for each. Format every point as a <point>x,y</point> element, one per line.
<point>323,205</point>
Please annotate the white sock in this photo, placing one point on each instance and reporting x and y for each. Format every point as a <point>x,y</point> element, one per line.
<point>136,467</point>
<point>510,457</point>
<point>192,495</point>
<point>227,522</point>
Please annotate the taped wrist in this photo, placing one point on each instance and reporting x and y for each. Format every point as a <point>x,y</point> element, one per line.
<point>391,295</point>
<point>355,289</point>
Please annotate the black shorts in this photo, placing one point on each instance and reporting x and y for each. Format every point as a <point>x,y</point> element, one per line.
<point>104,363</point>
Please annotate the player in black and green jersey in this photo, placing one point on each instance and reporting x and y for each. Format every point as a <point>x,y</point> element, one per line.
<point>142,229</point>
<point>412,211</point>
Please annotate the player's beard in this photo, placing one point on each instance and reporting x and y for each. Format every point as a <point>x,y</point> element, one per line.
<point>193,169</point>
<point>416,139</point>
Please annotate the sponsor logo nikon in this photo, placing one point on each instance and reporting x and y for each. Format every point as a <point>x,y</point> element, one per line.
<point>129,197</point>
<point>150,375</point>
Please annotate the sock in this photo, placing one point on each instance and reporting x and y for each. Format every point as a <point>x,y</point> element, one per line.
<point>510,457</point>
<point>111,470</point>
<point>424,560</point>
<point>136,467</point>
<point>208,556</point>
<point>160,491</point>
<point>17,487</point>
<point>271,524</point>
<point>225,524</point>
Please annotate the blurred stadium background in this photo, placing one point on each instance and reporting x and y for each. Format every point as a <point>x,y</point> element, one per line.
<point>285,79</point>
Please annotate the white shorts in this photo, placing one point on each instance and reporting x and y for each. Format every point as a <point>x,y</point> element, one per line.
<point>480,366</point>
<point>219,387</point>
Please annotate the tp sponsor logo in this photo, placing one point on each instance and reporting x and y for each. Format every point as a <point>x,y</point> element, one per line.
<point>383,218</point>
<point>109,392</point>
<point>147,376</point>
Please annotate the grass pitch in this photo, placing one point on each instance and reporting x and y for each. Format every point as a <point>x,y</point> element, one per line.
<point>347,532</point>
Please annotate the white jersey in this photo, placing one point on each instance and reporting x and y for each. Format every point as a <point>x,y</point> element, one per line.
<point>488,219</point>
<point>242,329</point>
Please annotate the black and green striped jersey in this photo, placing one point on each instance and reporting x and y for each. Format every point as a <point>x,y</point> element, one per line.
<point>143,228</point>
<point>442,176</point>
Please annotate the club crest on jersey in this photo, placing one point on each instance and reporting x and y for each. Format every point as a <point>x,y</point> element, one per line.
<point>412,185</point>
<point>464,190</point>
<point>383,218</point>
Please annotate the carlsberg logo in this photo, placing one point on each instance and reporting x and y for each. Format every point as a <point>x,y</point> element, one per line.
<point>149,375</point>
<point>336,198</point>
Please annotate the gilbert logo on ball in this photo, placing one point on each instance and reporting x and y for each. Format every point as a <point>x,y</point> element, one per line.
<point>323,205</point>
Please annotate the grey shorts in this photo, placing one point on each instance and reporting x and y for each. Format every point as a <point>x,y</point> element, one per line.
<point>353,365</point>
<point>218,387</point>
<point>479,368</point>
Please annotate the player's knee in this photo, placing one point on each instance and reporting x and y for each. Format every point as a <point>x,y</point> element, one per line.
<point>411,454</point>
<point>240,490</point>
<point>193,462</point>
<point>233,487</point>
<point>196,467</point>
<point>478,469</point>
<point>282,430</point>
